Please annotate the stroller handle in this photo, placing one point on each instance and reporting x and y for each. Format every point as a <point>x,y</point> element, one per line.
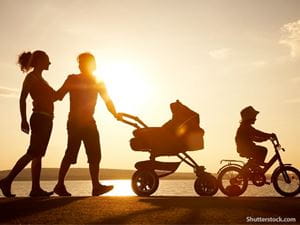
<point>134,118</point>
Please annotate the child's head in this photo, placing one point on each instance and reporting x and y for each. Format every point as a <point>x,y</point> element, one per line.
<point>248,115</point>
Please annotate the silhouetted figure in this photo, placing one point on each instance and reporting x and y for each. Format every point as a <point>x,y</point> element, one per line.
<point>83,89</point>
<point>235,176</point>
<point>246,136</point>
<point>40,122</point>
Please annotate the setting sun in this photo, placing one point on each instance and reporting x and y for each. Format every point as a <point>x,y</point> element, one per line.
<point>150,112</point>
<point>125,83</point>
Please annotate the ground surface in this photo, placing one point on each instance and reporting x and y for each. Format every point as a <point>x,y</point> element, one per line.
<point>152,210</point>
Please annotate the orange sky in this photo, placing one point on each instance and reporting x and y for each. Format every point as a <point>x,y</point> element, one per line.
<point>215,56</point>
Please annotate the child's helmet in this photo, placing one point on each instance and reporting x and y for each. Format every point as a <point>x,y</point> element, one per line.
<point>248,113</point>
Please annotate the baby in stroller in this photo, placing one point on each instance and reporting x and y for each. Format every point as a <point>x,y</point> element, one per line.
<point>177,136</point>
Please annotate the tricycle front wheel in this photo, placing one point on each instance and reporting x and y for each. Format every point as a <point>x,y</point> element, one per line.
<point>286,181</point>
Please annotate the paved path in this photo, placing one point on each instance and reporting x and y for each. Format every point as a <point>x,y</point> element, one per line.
<point>152,210</point>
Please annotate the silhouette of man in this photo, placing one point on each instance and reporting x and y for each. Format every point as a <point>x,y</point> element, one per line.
<point>83,89</point>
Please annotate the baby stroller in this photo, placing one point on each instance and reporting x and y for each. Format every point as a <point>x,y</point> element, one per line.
<point>179,135</point>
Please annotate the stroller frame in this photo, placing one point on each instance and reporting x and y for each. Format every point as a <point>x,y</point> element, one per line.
<point>145,180</point>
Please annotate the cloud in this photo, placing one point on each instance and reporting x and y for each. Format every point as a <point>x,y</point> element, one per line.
<point>221,53</point>
<point>260,63</point>
<point>293,101</point>
<point>8,92</point>
<point>295,80</point>
<point>291,37</point>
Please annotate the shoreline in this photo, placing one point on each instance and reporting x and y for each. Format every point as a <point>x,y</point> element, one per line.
<point>50,174</point>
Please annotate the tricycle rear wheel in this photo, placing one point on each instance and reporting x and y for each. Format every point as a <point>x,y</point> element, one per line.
<point>232,182</point>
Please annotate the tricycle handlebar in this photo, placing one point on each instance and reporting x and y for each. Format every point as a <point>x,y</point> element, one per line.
<point>275,140</point>
<point>276,143</point>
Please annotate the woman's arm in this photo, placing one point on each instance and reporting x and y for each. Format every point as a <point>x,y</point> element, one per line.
<point>60,93</point>
<point>24,93</point>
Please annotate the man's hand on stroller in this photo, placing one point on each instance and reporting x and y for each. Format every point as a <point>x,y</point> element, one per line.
<point>118,116</point>
<point>273,136</point>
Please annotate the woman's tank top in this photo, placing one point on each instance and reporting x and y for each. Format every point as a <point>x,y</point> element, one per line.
<point>43,96</point>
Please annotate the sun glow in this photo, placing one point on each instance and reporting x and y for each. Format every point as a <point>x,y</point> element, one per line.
<point>126,85</point>
<point>121,188</point>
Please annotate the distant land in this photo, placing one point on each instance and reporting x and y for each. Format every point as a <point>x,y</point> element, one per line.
<point>83,174</point>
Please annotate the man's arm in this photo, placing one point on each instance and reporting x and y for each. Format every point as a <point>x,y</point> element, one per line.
<point>108,102</point>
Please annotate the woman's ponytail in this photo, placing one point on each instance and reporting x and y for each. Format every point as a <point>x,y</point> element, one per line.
<point>25,61</point>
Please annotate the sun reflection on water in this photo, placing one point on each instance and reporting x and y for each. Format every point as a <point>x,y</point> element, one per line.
<point>121,188</point>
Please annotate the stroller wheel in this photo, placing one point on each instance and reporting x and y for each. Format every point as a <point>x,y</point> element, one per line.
<point>144,182</point>
<point>206,185</point>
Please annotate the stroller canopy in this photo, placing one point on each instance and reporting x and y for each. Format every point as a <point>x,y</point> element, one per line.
<point>181,133</point>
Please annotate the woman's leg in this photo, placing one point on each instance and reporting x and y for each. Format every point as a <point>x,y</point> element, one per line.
<point>36,190</point>
<point>5,183</point>
<point>41,127</point>
<point>36,166</point>
<point>19,166</point>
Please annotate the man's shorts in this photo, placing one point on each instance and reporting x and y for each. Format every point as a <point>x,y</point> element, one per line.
<point>88,133</point>
<point>41,127</point>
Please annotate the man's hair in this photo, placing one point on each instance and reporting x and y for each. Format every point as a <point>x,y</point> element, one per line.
<point>85,57</point>
<point>87,62</point>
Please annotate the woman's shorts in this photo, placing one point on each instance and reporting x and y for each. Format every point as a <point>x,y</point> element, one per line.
<point>41,127</point>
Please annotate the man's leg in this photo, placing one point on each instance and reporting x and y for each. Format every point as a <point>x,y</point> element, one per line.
<point>64,168</point>
<point>92,145</point>
<point>70,157</point>
<point>98,189</point>
<point>60,188</point>
<point>94,172</point>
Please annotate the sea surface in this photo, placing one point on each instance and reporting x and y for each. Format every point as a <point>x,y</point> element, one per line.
<point>123,188</point>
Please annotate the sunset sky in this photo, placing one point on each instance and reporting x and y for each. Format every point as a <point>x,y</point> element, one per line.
<point>214,56</point>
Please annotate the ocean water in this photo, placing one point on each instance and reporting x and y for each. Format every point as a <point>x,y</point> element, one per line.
<point>123,188</point>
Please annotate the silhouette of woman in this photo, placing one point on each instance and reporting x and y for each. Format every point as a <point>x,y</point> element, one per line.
<point>41,119</point>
